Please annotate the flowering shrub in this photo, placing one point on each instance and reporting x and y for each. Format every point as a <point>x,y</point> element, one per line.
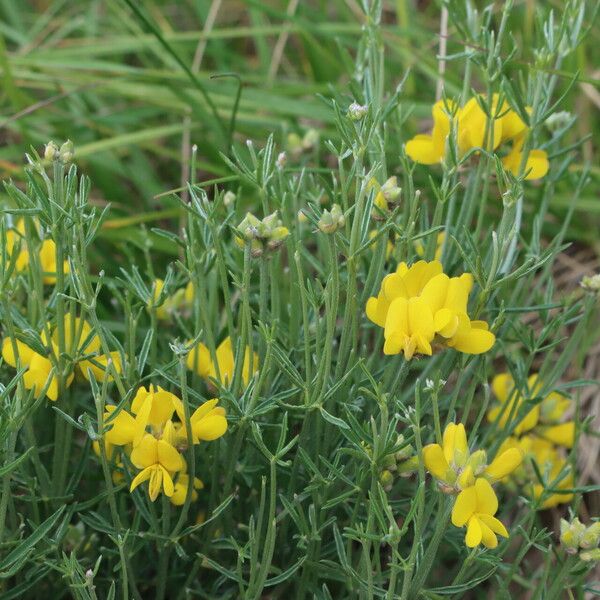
<point>339,368</point>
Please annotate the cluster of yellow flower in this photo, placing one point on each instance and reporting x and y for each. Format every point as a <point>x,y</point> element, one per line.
<point>459,471</point>
<point>155,443</point>
<point>15,242</point>
<point>475,129</point>
<point>222,369</point>
<point>420,305</point>
<point>82,346</point>
<point>541,435</point>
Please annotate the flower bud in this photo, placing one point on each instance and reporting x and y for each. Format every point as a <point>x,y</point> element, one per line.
<point>591,283</point>
<point>229,198</point>
<point>302,218</point>
<point>281,160</point>
<point>66,152</point>
<point>387,480</point>
<point>557,121</point>
<point>390,189</point>
<point>590,555</point>
<point>478,461</point>
<point>251,227</point>
<point>294,144</point>
<point>332,220</point>
<point>357,111</point>
<point>277,237</point>
<point>571,534</point>
<point>51,151</point>
<point>591,537</point>
<point>310,139</point>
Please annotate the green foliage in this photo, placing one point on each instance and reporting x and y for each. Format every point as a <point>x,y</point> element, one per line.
<point>295,501</point>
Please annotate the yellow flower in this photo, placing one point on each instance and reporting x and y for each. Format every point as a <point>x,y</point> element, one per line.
<point>544,418</point>
<point>550,463</point>
<point>181,300</point>
<point>162,405</point>
<point>471,123</point>
<point>99,366</point>
<point>125,428</point>
<point>39,371</point>
<point>158,461</point>
<point>418,304</point>
<point>430,149</point>
<point>405,282</point>
<point>199,361</point>
<point>181,487</point>
<point>208,422</point>
<point>79,339</point>
<point>48,261</point>
<point>439,246</point>
<point>537,164</point>
<point>13,237</point>
<point>456,468</point>
<point>475,507</point>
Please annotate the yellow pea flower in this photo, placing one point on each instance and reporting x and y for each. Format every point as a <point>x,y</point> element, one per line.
<point>162,405</point>
<point>456,468</point>
<point>439,246</point>
<point>208,422</point>
<point>48,261</point>
<point>13,236</point>
<point>420,304</point>
<point>125,428</point>
<point>199,360</point>
<point>158,461</point>
<point>406,282</point>
<point>99,366</point>
<point>550,462</point>
<point>181,487</point>
<point>39,368</point>
<point>471,123</point>
<point>543,419</point>
<point>475,507</point>
<point>430,149</point>
<point>180,300</point>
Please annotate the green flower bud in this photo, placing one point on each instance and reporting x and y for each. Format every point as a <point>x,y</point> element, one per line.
<point>571,534</point>
<point>332,220</point>
<point>250,227</point>
<point>294,143</point>
<point>390,189</point>
<point>591,537</point>
<point>51,151</point>
<point>557,121</point>
<point>387,480</point>
<point>591,283</point>
<point>590,555</point>
<point>357,111</point>
<point>229,198</point>
<point>66,152</point>
<point>277,237</point>
<point>310,139</point>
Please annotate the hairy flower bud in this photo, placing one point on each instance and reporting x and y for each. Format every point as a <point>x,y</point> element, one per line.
<point>332,220</point>
<point>357,111</point>
<point>51,151</point>
<point>66,152</point>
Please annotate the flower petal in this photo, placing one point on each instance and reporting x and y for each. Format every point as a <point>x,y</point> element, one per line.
<point>504,464</point>
<point>435,461</point>
<point>474,533</point>
<point>464,506</point>
<point>487,502</point>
